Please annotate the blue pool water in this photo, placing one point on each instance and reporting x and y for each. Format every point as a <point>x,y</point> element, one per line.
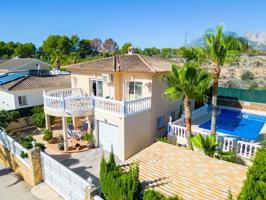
<point>237,123</point>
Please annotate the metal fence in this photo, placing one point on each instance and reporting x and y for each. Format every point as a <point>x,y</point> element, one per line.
<point>257,96</point>
<point>14,147</point>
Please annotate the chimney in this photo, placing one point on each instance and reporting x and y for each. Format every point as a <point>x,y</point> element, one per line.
<point>131,50</point>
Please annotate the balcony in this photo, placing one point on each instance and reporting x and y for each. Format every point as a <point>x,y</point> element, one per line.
<point>75,102</point>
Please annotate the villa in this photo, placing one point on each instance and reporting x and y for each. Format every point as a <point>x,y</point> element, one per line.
<point>121,99</point>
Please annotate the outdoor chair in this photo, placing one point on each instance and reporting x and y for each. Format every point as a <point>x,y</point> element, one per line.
<point>84,127</point>
<point>71,133</point>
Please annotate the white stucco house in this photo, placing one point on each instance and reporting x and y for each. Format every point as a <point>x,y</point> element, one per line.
<point>22,64</point>
<point>20,91</point>
<point>121,97</point>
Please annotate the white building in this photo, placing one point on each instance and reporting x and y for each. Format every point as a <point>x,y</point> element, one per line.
<point>27,91</point>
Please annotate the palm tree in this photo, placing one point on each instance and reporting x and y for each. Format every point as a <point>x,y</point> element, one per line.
<point>187,82</point>
<point>221,48</point>
<point>207,144</point>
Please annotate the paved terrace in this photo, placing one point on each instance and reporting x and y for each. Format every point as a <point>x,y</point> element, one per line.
<point>173,170</point>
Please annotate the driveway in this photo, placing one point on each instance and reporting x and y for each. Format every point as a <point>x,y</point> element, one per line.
<point>86,164</point>
<point>12,187</point>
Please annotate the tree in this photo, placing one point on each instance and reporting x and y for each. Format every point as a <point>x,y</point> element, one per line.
<point>255,184</point>
<point>6,117</point>
<point>154,195</point>
<point>207,145</point>
<point>116,184</point>
<point>27,50</point>
<point>221,48</point>
<point>110,46</point>
<point>96,45</point>
<point>85,48</point>
<point>151,51</point>
<point>124,48</point>
<point>187,82</point>
<point>38,116</point>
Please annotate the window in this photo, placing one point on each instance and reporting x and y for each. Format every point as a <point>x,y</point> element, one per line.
<point>22,100</point>
<point>134,90</point>
<point>160,122</point>
<point>97,88</point>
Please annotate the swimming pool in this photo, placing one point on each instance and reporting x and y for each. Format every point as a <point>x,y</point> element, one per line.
<point>240,124</point>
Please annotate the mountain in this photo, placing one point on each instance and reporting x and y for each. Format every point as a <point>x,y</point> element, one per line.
<point>257,40</point>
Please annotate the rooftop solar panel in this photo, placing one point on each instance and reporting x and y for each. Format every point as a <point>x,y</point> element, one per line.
<point>10,77</point>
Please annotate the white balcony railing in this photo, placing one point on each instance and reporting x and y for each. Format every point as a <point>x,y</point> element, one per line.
<point>75,100</point>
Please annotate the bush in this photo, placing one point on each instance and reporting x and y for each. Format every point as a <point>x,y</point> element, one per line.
<point>88,137</point>
<point>163,139</point>
<point>255,184</point>
<point>116,184</point>
<point>247,75</point>
<point>229,156</point>
<point>153,195</point>
<point>61,146</point>
<point>6,117</point>
<point>24,155</point>
<point>48,135</point>
<point>26,142</point>
<point>38,116</point>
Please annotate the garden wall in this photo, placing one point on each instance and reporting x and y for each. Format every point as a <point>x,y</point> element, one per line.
<point>20,123</point>
<point>242,104</point>
<point>28,173</point>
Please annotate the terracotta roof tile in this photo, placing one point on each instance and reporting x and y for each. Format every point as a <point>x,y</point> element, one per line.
<point>35,82</point>
<point>128,63</point>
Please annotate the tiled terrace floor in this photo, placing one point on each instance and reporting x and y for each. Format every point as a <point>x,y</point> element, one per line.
<point>191,175</point>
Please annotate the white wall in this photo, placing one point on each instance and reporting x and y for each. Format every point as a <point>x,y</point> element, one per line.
<point>34,97</point>
<point>7,100</point>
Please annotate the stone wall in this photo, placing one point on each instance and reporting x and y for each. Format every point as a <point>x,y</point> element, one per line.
<point>30,175</point>
<point>20,123</point>
<point>242,104</point>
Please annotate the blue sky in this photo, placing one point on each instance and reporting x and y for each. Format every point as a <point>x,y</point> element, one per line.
<point>145,23</point>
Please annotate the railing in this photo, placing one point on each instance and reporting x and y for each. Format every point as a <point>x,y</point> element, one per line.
<point>75,100</point>
<point>67,183</point>
<point>108,105</point>
<point>242,148</point>
<point>246,149</point>
<point>135,106</point>
<point>14,147</point>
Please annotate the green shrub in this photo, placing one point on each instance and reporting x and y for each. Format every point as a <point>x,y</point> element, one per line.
<point>247,75</point>
<point>162,139</point>
<point>6,117</point>
<point>116,184</point>
<point>38,116</point>
<point>60,139</point>
<point>88,137</point>
<point>26,142</point>
<point>255,184</point>
<point>47,135</point>
<point>229,156</point>
<point>61,146</point>
<point>253,86</point>
<point>207,144</point>
<point>24,155</point>
<point>153,195</point>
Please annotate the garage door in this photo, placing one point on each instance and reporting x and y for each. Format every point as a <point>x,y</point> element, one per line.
<point>108,137</point>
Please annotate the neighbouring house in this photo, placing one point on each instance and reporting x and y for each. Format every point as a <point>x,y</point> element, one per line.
<point>22,64</point>
<point>21,90</point>
<point>122,99</point>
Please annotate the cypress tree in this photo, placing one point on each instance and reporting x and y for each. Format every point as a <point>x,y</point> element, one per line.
<point>255,184</point>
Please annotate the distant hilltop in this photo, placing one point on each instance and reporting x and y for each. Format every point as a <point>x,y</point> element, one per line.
<point>257,40</point>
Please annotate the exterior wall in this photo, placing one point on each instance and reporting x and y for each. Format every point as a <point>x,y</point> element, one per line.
<point>116,89</point>
<point>161,106</point>
<point>7,100</point>
<point>138,133</point>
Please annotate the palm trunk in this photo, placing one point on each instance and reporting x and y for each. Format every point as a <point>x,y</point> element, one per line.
<point>216,75</point>
<point>187,106</point>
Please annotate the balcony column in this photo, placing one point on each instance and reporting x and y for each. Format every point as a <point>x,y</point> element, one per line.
<point>47,122</point>
<point>96,132</point>
<point>64,125</point>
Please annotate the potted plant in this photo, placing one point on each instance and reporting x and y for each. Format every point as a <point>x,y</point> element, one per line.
<point>89,138</point>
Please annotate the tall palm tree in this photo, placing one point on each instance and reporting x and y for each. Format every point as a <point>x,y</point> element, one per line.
<point>187,82</point>
<point>221,48</point>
